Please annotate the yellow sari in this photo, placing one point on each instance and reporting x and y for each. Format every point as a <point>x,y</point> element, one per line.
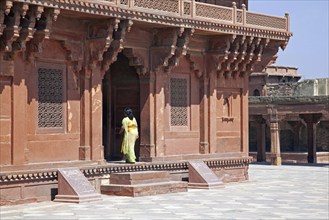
<point>130,136</point>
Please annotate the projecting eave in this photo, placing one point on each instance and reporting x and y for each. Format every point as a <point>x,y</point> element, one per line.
<point>189,14</point>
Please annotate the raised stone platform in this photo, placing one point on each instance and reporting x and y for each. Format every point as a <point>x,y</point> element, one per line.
<point>142,184</point>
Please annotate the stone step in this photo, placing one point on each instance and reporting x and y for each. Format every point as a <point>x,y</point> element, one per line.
<point>144,189</point>
<point>133,178</point>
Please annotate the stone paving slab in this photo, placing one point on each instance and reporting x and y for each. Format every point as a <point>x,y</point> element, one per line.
<point>273,192</point>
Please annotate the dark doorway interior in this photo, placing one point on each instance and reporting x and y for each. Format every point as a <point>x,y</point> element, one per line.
<point>120,90</point>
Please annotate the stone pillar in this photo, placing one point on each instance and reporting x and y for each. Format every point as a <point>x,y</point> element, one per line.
<point>245,116</point>
<point>84,149</point>
<point>161,85</point>
<point>273,120</point>
<point>204,115</point>
<point>311,120</point>
<point>261,145</point>
<point>97,149</point>
<point>212,112</point>
<point>147,133</point>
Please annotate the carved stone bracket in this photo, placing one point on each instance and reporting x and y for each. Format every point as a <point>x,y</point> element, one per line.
<point>44,18</point>
<point>311,118</point>
<point>269,54</point>
<point>218,52</point>
<point>99,39</point>
<point>170,44</point>
<point>74,56</point>
<point>27,23</point>
<point>11,30</point>
<point>116,45</point>
<point>236,55</point>
<point>21,22</point>
<point>195,64</point>
<point>180,48</point>
<point>2,17</point>
<point>135,60</point>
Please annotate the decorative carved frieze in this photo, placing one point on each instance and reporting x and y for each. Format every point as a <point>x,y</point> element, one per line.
<point>116,46</point>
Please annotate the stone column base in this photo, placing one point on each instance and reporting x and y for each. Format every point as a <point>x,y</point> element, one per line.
<point>276,160</point>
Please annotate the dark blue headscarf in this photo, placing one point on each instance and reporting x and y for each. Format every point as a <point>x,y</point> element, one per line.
<point>129,113</point>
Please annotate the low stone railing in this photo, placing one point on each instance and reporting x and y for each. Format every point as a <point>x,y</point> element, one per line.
<point>203,11</point>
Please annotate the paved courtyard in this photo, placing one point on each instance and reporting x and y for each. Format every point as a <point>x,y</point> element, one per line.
<point>284,192</point>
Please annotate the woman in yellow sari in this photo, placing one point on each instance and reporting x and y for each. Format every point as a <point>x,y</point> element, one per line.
<point>130,129</point>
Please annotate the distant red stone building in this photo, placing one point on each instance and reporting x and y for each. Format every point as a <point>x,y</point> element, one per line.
<point>289,118</point>
<point>69,68</point>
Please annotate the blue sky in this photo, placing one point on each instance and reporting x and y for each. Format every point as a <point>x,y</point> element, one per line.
<point>308,48</point>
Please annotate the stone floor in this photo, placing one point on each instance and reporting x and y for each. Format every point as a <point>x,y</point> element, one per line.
<point>273,192</point>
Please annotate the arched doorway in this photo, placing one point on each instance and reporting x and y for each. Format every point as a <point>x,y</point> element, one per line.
<point>121,89</point>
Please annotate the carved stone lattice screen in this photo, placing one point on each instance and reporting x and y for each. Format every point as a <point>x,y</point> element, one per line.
<point>211,11</point>
<point>239,16</point>
<point>187,8</point>
<point>124,2</point>
<point>179,102</point>
<point>168,6</point>
<point>50,98</point>
<point>266,21</point>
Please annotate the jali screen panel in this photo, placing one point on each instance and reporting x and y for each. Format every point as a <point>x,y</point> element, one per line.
<point>50,98</point>
<point>179,102</point>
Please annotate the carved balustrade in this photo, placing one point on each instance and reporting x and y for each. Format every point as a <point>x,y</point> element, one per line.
<point>186,9</point>
<point>199,10</point>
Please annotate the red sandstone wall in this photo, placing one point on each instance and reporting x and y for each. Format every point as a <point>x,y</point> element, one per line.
<point>5,119</point>
<point>230,118</point>
<point>213,127</point>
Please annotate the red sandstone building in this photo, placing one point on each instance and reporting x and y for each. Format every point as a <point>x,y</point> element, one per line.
<point>289,119</point>
<point>69,68</point>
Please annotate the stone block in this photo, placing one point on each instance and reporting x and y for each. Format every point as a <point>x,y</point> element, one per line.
<point>142,183</point>
<point>202,177</point>
<point>132,178</point>
<point>74,187</point>
<point>145,189</point>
